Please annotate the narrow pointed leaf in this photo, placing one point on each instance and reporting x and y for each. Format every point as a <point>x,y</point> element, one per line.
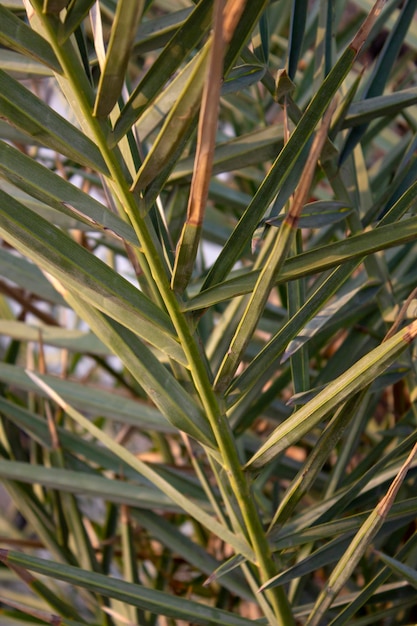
<point>91,453</point>
<point>187,246</point>
<point>382,69</point>
<point>31,115</point>
<point>157,31</point>
<point>42,616</point>
<point>16,64</point>
<point>79,95</point>
<point>286,159</point>
<point>155,601</point>
<point>182,43</point>
<point>77,11</point>
<point>318,214</point>
<point>118,52</point>
<point>399,516</point>
<point>400,569</point>
<point>29,277</point>
<point>75,267</point>
<point>176,129</point>
<point>358,546</point>
<point>75,447</point>
<point>160,385</point>
<point>188,505</point>
<point>43,184</point>
<point>271,264</point>
<point>73,340</point>
<point>242,77</point>
<point>313,261</point>
<point>372,587</point>
<point>354,379</point>
<point>15,34</point>
<point>298,22</point>
<point>87,484</point>
<point>389,104</point>
<point>317,322</point>
<point>242,151</point>
<point>85,398</point>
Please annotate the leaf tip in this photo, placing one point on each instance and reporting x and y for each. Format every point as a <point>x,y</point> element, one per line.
<point>411,332</point>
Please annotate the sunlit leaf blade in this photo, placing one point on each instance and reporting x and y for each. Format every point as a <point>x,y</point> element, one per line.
<point>14,33</point>
<point>117,55</point>
<point>142,416</point>
<point>31,115</point>
<point>392,375</point>
<point>307,476</point>
<point>229,566</point>
<point>16,64</point>
<point>354,379</point>
<point>85,398</point>
<point>158,602</point>
<point>251,379</point>
<point>188,505</point>
<point>363,244</point>
<point>303,531</point>
<point>329,553</point>
<point>75,14</point>
<point>313,261</point>
<point>156,112</point>
<point>74,340</point>
<point>183,42</point>
<point>321,557</point>
<point>74,266</point>
<point>40,182</point>
<point>358,545</point>
<point>248,20</point>
<point>279,248</point>
<point>151,404</point>
<point>87,484</point>
<point>80,96</point>
<point>36,428</point>
<point>176,130</point>
<point>162,388</point>
<point>338,536</point>
<point>366,486</point>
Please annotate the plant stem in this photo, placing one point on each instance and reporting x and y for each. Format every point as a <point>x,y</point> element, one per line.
<point>216,416</point>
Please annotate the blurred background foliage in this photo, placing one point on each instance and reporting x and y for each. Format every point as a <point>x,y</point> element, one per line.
<point>207,302</point>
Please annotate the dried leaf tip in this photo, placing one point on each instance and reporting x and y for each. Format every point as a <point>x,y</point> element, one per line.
<point>411,332</point>
<point>368,24</point>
